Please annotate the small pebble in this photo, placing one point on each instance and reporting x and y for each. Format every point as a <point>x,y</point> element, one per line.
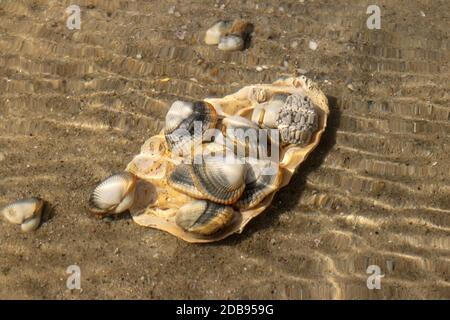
<point>139,56</point>
<point>294,44</point>
<point>259,68</point>
<point>313,45</point>
<point>273,242</point>
<point>180,34</point>
<point>171,10</point>
<point>351,87</point>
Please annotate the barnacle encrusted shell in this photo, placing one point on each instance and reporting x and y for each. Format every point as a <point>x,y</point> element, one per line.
<point>158,205</point>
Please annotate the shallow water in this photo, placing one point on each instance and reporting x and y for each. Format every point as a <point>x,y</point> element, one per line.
<point>75,106</point>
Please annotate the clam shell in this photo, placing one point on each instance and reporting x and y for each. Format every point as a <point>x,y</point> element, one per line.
<point>186,122</point>
<point>162,212</point>
<point>212,179</point>
<point>219,29</point>
<point>113,195</point>
<point>26,212</point>
<point>204,217</point>
<point>263,178</point>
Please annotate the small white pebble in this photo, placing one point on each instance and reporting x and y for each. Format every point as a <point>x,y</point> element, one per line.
<point>259,68</point>
<point>294,44</point>
<point>171,10</point>
<point>422,13</point>
<point>313,45</point>
<point>139,56</point>
<point>434,163</point>
<point>351,87</point>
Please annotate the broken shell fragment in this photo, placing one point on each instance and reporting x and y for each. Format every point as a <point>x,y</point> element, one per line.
<point>114,195</point>
<point>204,217</point>
<point>26,212</point>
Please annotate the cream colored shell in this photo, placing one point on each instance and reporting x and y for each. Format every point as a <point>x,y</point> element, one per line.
<point>156,203</point>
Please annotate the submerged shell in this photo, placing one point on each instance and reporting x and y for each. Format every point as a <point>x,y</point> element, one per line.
<point>263,178</point>
<point>186,122</point>
<point>266,114</point>
<point>293,115</point>
<point>26,212</point>
<point>212,179</point>
<point>114,195</point>
<point>218,30</point>
<point>163,212</point>
<point>298,120</point>
<point>204,217</point>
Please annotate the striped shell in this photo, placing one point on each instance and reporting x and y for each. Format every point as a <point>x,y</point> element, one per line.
<point>113,195</point>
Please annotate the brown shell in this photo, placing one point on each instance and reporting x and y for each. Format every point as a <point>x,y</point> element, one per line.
<point>156,203</point>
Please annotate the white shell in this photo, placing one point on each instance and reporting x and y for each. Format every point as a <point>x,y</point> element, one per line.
<point>26,212</point>
<point>178,112</point>
<point>231,42</point>
<point>218,30</point>
<point>266,114</point>
<point>114,195</point>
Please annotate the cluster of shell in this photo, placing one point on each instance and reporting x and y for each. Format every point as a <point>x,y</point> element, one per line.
<point>229,35</point>
<point>165,187</point>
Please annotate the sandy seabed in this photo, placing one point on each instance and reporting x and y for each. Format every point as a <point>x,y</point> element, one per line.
<point>76,105</point>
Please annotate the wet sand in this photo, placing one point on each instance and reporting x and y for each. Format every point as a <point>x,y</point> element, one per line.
<point>75,106</point>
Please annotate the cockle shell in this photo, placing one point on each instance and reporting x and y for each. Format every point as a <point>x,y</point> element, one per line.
<point>230,36</point>
<point>263,178</point>
<point>160,207</point>
<point>26,212</point>
<point>186,122</point>
<point>114,195</point>
<point>211,179</point>
<point>204,217</point>
<point>218,30</point>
